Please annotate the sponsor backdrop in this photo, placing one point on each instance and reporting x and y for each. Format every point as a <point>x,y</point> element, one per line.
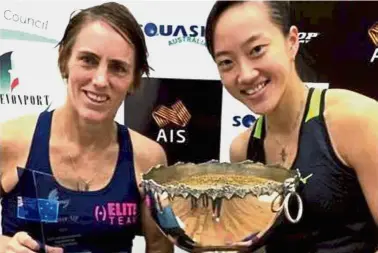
<point>182,105</point>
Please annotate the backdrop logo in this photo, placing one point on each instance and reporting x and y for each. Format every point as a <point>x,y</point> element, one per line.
<point>245,121</point>
<point>9,34</point>
<point>373,34</point>
<point>180,33</point>
<point>9,81</point>
<point>178,116</point>
<point>18,18</point>
<point>306,37</point>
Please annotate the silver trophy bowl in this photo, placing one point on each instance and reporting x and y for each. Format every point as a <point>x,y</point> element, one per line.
<point>216,206</point>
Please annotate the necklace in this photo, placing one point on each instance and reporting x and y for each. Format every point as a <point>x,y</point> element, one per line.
<point>81,184</point>
<point>284,153</point>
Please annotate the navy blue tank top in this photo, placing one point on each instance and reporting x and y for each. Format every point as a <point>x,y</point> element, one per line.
<point>96,221</point>
<point>336,217</point>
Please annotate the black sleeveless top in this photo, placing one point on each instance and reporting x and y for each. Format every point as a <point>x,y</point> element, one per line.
<point>100,221</point>
<point>336,217</point>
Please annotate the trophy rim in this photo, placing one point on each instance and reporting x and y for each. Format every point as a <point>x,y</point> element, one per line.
<point>225,191</point>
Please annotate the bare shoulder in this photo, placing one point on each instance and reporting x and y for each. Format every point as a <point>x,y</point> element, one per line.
<point>239,146</point>
<point>15,141</point>
<point>350,117</point>
<point>147,152</point>
<point>345,105</point>
<point>16,134</point>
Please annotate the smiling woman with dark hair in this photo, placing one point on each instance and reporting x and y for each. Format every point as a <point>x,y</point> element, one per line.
<point>330,135</point>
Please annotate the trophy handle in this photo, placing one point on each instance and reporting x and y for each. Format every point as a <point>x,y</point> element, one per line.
<point>286,207</point>
<point>289,191</point>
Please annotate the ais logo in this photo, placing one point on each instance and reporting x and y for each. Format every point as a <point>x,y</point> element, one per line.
<point>172,121</point>
<point>245,121</point>
<point>373,34</point>
<point>180,33</point>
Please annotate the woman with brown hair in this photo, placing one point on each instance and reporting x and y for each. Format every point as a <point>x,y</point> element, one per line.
<point>70,177</point>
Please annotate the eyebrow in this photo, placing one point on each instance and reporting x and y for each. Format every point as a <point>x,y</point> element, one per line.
<point>117,61</point>
<point>251,39</point>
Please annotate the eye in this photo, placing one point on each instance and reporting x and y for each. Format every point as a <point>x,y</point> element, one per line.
<point>258,50</point>
<point>88,60</point>
<point>118,68</point>
<point>225,64</point>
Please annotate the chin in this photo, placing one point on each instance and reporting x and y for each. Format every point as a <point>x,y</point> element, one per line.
<point>265,105</point>
<point>261,108</point>
<point>93,117</point>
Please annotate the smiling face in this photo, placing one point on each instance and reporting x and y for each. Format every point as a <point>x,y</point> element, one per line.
<point>254,58</point>
<point>100,72</point>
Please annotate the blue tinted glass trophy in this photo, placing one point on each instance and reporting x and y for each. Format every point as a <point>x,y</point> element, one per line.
<point>46,212</point>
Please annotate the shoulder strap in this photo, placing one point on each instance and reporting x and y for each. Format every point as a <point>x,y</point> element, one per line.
<point>38,158</point>
<point>125,171</point>
<point>258,128</point>
<point>316,104</point>
<point>255,149</point>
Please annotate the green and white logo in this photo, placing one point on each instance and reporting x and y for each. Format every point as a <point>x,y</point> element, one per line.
<point>9,77</point>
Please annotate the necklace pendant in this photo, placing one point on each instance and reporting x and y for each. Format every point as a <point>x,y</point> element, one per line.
<point>78,188</point>
<point>283,155</point>
<point>82,186</point>
<point>86,187</point>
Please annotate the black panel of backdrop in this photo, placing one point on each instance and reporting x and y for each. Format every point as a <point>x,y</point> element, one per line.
<point>342,54</point>
<point>184,116</point>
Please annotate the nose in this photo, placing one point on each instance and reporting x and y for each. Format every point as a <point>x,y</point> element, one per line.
<point>247,73</point>
<point>100,78</point>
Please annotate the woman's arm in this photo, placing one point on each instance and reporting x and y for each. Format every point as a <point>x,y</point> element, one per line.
<point>239,146</point>
<point>156,242</point>
<point>147,154</point>
<point>353,127</point>
<point>15,139</point>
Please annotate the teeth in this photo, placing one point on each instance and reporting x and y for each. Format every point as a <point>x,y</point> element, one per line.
<point>256,88</point>
<point>97,98</point>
